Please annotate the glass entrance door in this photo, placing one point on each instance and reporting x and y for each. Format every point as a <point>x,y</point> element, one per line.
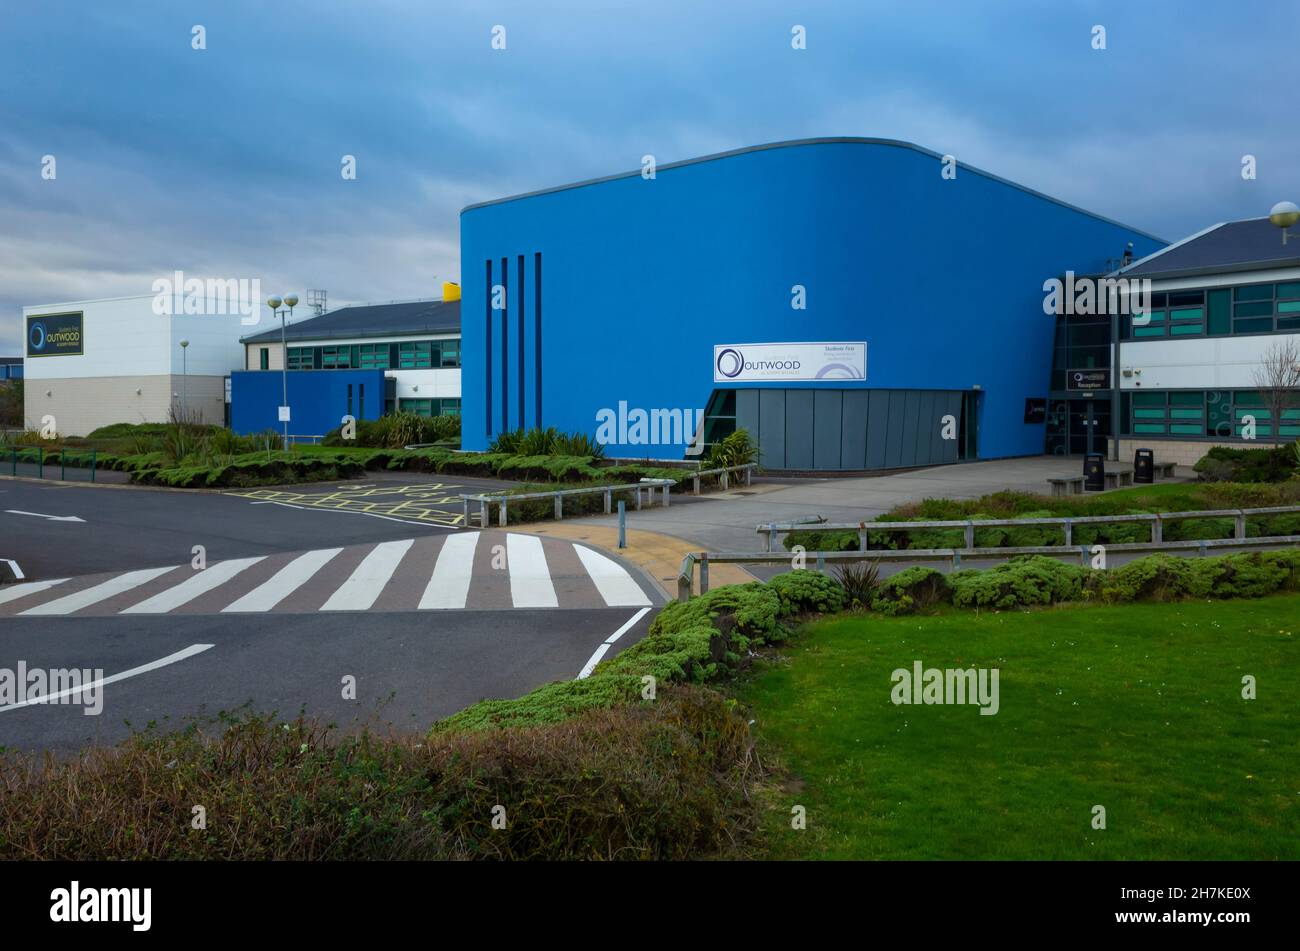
<point>1089,426</point>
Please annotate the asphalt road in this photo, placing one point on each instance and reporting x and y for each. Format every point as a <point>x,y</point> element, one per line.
<point>410,669</point>
<point>410,666</point>
<point>125,528</point>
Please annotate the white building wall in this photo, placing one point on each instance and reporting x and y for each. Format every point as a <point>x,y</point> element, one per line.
<point>132,368</point>
<point>1201,363</point>
<point>427,384</point>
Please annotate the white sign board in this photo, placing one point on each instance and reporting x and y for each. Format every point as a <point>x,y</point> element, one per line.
<point>284,414</point>
<point>789,362</point>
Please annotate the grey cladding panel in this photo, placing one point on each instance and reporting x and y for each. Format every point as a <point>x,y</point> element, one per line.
<point>877,428</point>
<point>799,429</point>
<point>828,406</point>
<point>853,429</point>
<point>771,423</point>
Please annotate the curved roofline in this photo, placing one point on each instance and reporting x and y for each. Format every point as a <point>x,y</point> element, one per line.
<point>824,140</point>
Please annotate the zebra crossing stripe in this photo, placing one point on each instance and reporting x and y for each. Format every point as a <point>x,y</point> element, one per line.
<point>614,584</point>
<point>100,592</point>
<point>198,583</point>
<point>14,592</point>
<point>284,582</point>
<point>449,585</point>
<point>362,589</point>
<point>530,578</point>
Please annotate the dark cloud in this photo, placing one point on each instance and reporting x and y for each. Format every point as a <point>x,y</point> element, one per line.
<point>225,162</point>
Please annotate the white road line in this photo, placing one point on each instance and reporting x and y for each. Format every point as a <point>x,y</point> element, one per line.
<point>361,590</point>
<point>198,583</point>
<point>133,672</point>
<point>386,518</point>
<point>50,518</point>
<point>100,592</point>
<point>284,582</point>
<point>14,592</point>
<point>530,578</point>
<point>590,665</point>
<point>449,584</point>
<point>612,581</point>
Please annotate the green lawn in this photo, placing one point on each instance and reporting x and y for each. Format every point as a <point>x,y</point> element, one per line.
<point>1137,708</point>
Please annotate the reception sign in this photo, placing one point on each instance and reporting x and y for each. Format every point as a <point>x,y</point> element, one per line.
<point>54,335</point>
<point>789,362</point>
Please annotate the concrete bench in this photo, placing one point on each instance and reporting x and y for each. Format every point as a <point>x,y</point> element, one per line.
<point>1163,470</point>
<point>1118,477</point>
<point>1069,485</point>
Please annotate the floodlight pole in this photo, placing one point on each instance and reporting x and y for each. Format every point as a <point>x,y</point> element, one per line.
<point>289,300</point>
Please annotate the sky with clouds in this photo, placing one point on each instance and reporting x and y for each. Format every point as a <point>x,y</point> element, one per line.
<point>225,162</point>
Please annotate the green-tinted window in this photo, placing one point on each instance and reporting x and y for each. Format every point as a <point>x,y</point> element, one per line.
<point>414,355</point>
<point>432,407</point>
<point>1260,309</point>
<point>1256,325</point>
<point>302,358</point>
<point>265,358</point>
<point>1254,292</point>
<point>1220,308</point>
<point>373,356</point>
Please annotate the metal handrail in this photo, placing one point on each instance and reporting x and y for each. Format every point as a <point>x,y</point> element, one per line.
<point>954,556</point>
<point>747,468</point>
<point>771,530</point>
<point>502,499</point>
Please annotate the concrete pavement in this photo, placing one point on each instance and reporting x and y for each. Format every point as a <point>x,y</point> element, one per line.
<point>726,521</point>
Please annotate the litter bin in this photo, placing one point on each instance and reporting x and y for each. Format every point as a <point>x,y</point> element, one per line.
<point>1144,467</point>
<point>1094,472</point>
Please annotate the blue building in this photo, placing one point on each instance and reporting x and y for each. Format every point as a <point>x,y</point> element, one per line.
<point>844,300</point>
<point>318,400</point>
<point>361,360</point>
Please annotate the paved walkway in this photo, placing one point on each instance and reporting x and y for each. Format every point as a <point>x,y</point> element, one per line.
<point>726,521</point>
<point>660,556</point>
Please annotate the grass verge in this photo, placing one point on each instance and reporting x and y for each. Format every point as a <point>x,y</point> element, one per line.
<point>1137,708</point>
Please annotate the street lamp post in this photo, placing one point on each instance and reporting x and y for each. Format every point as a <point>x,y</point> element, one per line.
<point>289,301</point>
<point>185,380</point>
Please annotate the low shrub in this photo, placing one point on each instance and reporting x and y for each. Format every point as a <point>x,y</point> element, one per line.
<point>1164,577</point>
<point>735,449</point>
<point>822,541</point>
<point>860,581</point>
<point>672,779</point>
<point>1258,465</point>
<point>395,430</point>
<point>910,589</point>
<point>700,641</point>
<point>1020,582</point>
<point>804,591</point>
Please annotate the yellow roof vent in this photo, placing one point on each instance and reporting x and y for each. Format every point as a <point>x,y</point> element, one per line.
<point>450,291</point>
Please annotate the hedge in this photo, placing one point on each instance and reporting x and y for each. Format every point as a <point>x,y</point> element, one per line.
<point>699,641</point>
